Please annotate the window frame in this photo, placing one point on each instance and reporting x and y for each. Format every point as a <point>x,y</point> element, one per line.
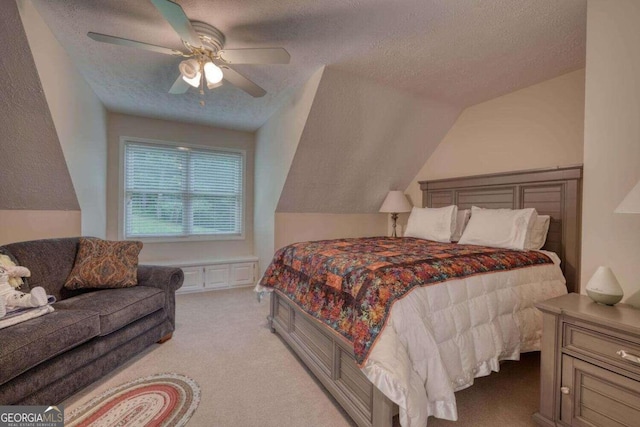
<point>173,239</point>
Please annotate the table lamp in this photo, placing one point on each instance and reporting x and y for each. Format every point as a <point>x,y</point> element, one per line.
<point>395,202</point>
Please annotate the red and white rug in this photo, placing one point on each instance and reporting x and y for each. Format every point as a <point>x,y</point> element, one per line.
<point>158,400</point>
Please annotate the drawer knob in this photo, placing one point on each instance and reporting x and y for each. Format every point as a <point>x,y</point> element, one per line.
<point>565,390</point>
<point>627,356</point>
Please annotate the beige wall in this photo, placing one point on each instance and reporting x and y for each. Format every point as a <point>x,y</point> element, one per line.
<point>79,117</point>
<point>141,127</point>
<point>276,144</point>
<point>301,227</point>
<point>539,126</point>
<point>22,225</point>
<point>612,141</point>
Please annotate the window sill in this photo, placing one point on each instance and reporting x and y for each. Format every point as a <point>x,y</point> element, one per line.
<point>186,239</point>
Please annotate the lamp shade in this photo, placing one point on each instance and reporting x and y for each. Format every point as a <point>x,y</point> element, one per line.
<point>631,203</point>
<point>603,287</point>
<point>213,73</point>
<point>395,202</point>
<point>195,81</point>
<point>189,68</point>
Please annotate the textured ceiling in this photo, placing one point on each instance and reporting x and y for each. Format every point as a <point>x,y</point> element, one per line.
<point>458,52</point>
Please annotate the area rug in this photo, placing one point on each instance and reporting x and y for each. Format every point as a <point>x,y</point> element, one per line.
<point>167,400</point>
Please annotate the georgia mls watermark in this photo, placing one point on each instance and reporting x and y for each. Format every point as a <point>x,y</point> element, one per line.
<point>31,416</point>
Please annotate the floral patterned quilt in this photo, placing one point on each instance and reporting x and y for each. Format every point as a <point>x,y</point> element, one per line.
<point>351,284</point>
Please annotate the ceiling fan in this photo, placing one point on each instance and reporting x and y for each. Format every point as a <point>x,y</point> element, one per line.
<point>206,61</point>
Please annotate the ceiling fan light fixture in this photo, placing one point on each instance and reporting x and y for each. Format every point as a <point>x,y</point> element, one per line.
<point>194,81</point>
<point>213,74</point>
<point>204,44</point>
<point>189,68</point>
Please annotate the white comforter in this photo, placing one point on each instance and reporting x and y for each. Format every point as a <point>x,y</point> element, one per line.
<point>440,337</point>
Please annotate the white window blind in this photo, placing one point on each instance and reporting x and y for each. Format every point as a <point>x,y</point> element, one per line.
<point>175,191</point>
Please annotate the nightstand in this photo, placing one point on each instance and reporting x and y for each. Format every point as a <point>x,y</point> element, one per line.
<point>590,363</point>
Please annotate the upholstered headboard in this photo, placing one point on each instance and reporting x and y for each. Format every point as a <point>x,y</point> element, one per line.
<point>556,192</point>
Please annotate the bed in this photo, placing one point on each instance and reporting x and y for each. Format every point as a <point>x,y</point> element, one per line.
<point>472,323</point>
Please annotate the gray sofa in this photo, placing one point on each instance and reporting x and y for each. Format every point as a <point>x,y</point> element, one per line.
<point>47,359</point>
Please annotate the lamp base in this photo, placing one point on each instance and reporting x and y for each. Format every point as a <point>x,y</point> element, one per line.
<point>394,218</point>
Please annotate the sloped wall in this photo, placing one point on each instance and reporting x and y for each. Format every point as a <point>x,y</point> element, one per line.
<point>33,172</point>
<point>276,144</point>
<point>79,117</point>
<point>353,141</point>
<point>612,142</point>
<point>361,140</point>
<point>535,127</point>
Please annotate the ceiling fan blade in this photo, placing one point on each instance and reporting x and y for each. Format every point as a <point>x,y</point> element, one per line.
<point>174,14</point>
<point>273,55</point>
<point>179,86</point>
<point>240,81</point>
<point>132,43</point>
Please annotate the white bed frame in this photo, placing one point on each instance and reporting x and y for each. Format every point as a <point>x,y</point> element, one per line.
<point>556,192</point>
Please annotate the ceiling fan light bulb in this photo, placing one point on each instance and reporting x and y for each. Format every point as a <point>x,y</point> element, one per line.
<point>189,68</point>
<point>195,81</point>
<point>213,73</point>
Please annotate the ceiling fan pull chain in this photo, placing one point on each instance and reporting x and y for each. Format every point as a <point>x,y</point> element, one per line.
<point>202,103</point>
<point>201,62</point>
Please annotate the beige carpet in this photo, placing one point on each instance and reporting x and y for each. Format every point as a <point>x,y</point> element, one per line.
<point>506,398</point>
<point>249,377</point>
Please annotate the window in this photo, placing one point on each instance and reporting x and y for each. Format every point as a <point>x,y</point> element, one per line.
<point>175,191</point>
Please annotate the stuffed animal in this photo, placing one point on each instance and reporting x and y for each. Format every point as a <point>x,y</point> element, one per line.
<point>9,297</point>
<point>5,261</point>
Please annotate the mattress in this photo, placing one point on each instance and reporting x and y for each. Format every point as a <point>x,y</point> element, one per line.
<point>435,337</point>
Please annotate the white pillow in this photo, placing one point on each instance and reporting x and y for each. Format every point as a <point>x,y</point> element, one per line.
<point>436,224</point>
<point>462,218</point>
<point>538,233</point>
<point>500,228</point>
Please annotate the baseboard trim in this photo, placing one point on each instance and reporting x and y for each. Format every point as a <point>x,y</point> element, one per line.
<point>225,288</point>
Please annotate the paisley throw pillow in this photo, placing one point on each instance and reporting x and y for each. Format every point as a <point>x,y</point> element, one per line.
<point>102,264</point>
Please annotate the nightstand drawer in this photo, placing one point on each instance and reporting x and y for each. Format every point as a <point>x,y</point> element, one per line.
<point>597,397</point>
<point>600,346</point>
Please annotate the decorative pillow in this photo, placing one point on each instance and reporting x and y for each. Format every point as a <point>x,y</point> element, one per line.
<point>462,218</point>
<point>102,264</point>
<point>539,232</point>
<point>500,228</point>
<point>436,224</point>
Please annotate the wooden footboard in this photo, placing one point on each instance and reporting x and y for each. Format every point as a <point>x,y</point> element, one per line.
<point>331,360</point>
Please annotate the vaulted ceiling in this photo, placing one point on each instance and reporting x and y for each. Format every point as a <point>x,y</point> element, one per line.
<point>455,52</point>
